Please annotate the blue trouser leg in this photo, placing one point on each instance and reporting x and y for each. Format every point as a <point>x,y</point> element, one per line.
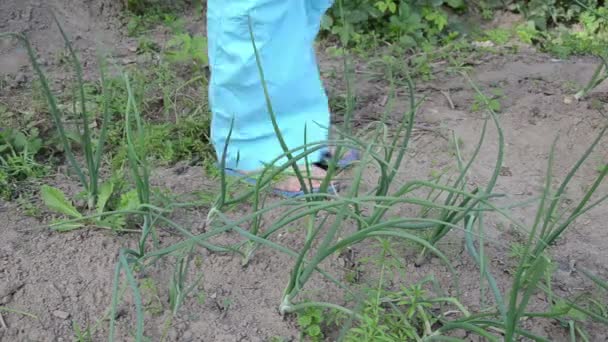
<point>284,32</point>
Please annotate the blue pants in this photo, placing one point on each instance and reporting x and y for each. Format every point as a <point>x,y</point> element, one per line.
<point>284,32</point>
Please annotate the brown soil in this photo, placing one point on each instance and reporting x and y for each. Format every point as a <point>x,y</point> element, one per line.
<point>66,278</point>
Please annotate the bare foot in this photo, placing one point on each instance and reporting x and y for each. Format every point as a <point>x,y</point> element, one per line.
<point>291,182</point>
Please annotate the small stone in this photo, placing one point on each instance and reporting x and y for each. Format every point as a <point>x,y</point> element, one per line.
<point>20,78</point>
<point>484,44</point>
<point>80,203</point>
<point>187,336</point>
<point>172,335</point>
<point>126,61</point>
<point>71,292</point>
<point>61,314</point>
<point>461,334</point>
<point>505,172</point>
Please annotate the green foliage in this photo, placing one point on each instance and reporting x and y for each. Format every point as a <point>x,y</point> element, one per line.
<point>170,143</point>
<point>137,6</point>
<point>411,23</point>
<point>528,33</point>
<point>151,296</point>
<point>111,199</point>
<point>178,287</point>
<point>387,314</point>
<point>487,8</point>
<point>565,28</point>
<point>135,202</point>
<point>484,102</point>
<point>148,17</point>
<point>82,335</point>
<point>17,142</point>
<point>184,48</point>
<point>5,184</point>
<point>498,36</point>
<point>422,24</point>
<point>178,118</point>
<point>599,76</point>
<point>309,322</point>
<point>56,200</point>
<point>92,143</point>
<point>551,12</point>
<point>18,163</point>
<point>590,36</point>
<point>395,317</point>
<point>140,7</point>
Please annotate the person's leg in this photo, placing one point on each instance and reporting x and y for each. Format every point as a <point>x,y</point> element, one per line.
<point>284,32</point>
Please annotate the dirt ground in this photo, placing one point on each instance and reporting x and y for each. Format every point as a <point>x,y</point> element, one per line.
<point>66,278</point>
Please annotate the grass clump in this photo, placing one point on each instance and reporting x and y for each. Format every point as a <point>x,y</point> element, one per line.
<point>18,164</point>
<point>168,144</point>
<point>187,49</point>
<point>146,14</point>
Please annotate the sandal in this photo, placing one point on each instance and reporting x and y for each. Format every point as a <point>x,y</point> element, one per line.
<point>348,159</point>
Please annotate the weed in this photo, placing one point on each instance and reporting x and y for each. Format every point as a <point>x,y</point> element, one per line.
<point>455,51</point>
<point>571,86</point>
<point>147,45</point>
<point>145,17</point>
<point>184,48</point>
<point>484,102</point>
<point>410,23</point>
<point>159,89</point>
<point>456,144</point>
<point>28,207</point>
<point>151,296</point>
<point>487,7</point>
<point>589,37</point>
<point>309,322</point>
<point>82,335</point>
<point>279,339</point>
<point>18,312</point>
<point>528,33</point>
<point>498,36</point>
<point>544,13</point>
<point>169,143</point>
<point>201,297</point>
<point>381,317</point>
<point>18,160</point>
